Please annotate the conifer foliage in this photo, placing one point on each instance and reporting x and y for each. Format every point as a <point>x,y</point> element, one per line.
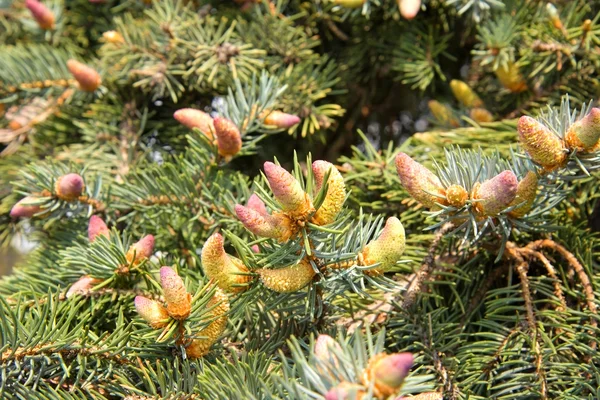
<point>188,235</point>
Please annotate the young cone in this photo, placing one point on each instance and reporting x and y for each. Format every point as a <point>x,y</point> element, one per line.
<point>227,271</point>
<point>193,118</point>
<point>152,312</point>
<point>176,296</point>
<point>323,346</point>
<point>256,204</point>
<point>336,192</point>
<point>24,209</point>
<point>97,227</point>
<point>409,8</point>
<point>276,226</point>
<point>140,250</point>
<point>69,187</point>
<point>456,196</point>
<point>288,279</point>
<point>82,286</point>
<point>481,115</point>
<point>443,113</point>
<point>584,134</point>
<point>388,372</point>
<point>229,139</point>
<point>287,191</point>
<point>346,391</point>
<point>464,94</point>
<point>543,146</point>
<point>496,194</point>
<point>420,182</point>
<point>281,120</point>
<point>386,249</point>
<point>526,192</point>
<point>42,14</point>
<point>510,77</point>
<point>88,78</point>
<point>200,347</point>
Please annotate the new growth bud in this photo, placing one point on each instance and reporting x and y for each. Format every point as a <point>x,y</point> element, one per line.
<point>281,120</point>
<point>584,134</point>
<point>496,194</point>
<point>97,227</point>
<point>176,296</point>
<point>24,209</point>
<point>152,312</point>
<point>229,139</point>
<point>287,191</point>
<point>418,181</point>
<point>88,78</point>
<point>526,193</point>
<point>227,271</point>
<point>69,187</point>
<point>42,14</point>
<point>288,279</point>
<point>387,249</point>
<point>220,307</point>
<point>464,94</point>
<point>82,286</point>
<point>336,192</point>
<point>388,372</point>
<point>543,146</point>
<point>141,250</point>
<point>276,226</point>
<point>409,8</point>
<point>192,118</point>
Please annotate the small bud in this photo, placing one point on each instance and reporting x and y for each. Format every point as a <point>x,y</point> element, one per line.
<point>113,37</point>
<point>200,347</point>
<point>288,279</point>
<point>41,13</point>
<point>24,209</point>
<point>336,192</point>
<point>97,227</point>
<point>510,77</point>
<point>346,391</point>
<point>584,134</point>
<point>276,226</point>
<point>425,396</point>
<point>388,372</point>
<point>323,346</point>
<point>287,191</point>
<point>82,286</point>
<point>386,249</point>
<point>88,78</point>
<point>464,94</point>
<point>141,250</point>
<point>256,204</point>
<point>350,3</point>
<point>281,120</point>
<point>543,146</point>
<point>443,113</point>
<point>420,182</point>
<point>496,194</point>
<point>176,296</point>
<point>526,192</point>
<point>227,271</point>
<point>456,196</point>
<point>69,187</point>
<point>152,312</point>
<point>481,115</point>
<point>192,118</point>
<point>229,139</point>
<point>255,249</point>
<point>409,8</point>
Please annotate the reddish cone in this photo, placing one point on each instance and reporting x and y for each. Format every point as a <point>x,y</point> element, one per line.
<point>88,78</point>
<point>23,209</point>
<point>276,226</point>
<point>287,191</point>
<point>193,118</point>
<point>496,194</point>
<point>152,312</point>
<point>41,13</point>
<point>420,182</point>
<point>229,139</point>
<point>69,187</point>
<point>281,120</point>
<point>97,227</point>
<point>82,286</point>
<point>256,204</point>
<point>141,250</point>
<point>388,372</point>
<point>177,298</point>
